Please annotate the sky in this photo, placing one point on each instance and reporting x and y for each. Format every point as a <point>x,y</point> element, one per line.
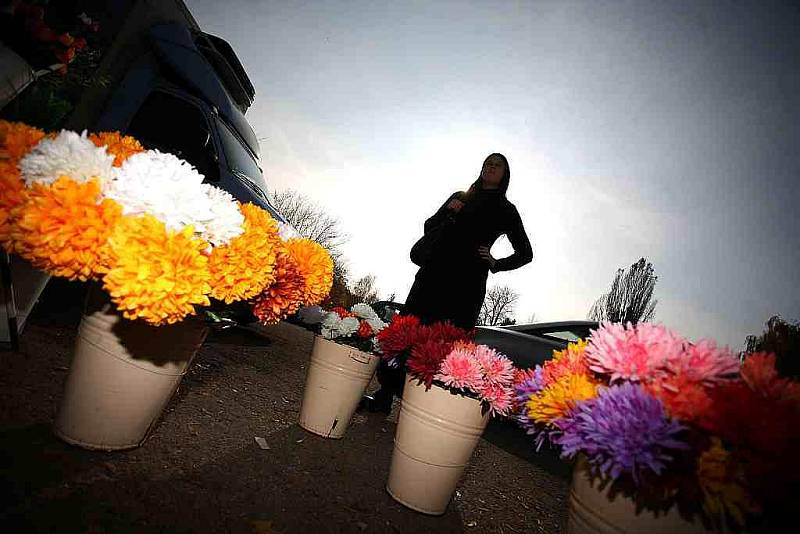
<point>665,130</point>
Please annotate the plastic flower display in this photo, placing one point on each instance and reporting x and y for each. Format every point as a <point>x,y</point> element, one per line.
<point>356,327</point>
<point>443,355</point>
<point>670,421</point>
<point>144,225</point>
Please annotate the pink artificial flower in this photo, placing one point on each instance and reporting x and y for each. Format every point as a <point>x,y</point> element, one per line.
<point>461,370</point>
<point>499,398</point>
<point>637,353</point>
<point>497,369</point>
<point>704,362</point>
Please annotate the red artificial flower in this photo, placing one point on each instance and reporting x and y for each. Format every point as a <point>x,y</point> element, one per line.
<point>66,39</point>
<point>342,312</point>
<point>398,336</point>
<point>364,330</point>
<point>65,56</point>
<point>760,374</point>
<point>426,359</point>
<point>684,398</point>
<point>521,375</point>
<point>447,332</point>
<point>80,43</point>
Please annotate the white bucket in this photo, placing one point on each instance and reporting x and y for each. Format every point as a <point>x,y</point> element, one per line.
<point>337,377</point>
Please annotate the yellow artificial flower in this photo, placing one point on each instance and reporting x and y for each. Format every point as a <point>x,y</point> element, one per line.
<point>560,397</point>
<point>315,267</point>
<point>723,483</point>
<point>285,296</point>
<point>16,140</point>
<point>120,146</point>
<point>156,274</point>
<point>574,351</point>
<point>63,228</point>
<point>243,268</point>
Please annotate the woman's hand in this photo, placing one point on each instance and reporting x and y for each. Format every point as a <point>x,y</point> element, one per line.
<point>455,205</point>
<point>486,256</point>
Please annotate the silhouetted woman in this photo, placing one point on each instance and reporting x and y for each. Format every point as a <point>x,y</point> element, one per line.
<point>451,285</point>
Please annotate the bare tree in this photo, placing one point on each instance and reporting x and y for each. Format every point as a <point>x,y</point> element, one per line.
<point>781,338</point>
<point>531,318</point>
<point>311,220</point>
<point>364,290</point>
<point>630,299</point>
<point>498,306</point>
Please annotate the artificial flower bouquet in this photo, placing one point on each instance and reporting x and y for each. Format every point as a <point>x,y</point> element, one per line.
<point>669,422</point>
<point>444,355</point>
<point>356,327</point>
<point>144,226</point>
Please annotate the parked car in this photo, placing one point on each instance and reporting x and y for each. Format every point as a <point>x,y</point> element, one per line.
<point>528,345</point>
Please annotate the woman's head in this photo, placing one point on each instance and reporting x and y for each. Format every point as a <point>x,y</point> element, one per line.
<point>495,174</point>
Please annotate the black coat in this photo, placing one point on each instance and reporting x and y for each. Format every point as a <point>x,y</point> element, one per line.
<point>452,285</point>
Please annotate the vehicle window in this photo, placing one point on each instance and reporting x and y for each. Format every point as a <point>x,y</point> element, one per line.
<point>170,124</point>
<point>562,335</point>
<point>238,158</point>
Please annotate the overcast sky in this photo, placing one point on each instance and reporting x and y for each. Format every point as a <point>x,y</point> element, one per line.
<point>669,130</point>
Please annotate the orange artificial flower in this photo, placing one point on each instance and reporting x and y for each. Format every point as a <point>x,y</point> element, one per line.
<point>285,296</point>
<point>156,274</point>
<point>245,267</point>
<point>63,228</point>
<point>16,140</point>
<point>120,146</point>
<point>12,194</point>
<point>315,266</point>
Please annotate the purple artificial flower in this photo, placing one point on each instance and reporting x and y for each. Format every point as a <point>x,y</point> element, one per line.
<point>622,430</point>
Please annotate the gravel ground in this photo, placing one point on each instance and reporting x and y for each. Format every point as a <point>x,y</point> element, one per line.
<point>201,469</point>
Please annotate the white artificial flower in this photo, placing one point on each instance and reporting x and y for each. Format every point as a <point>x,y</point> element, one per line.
<point>376,324</point>
<point>228,221</point>
<point>364,311</point>
<point>286,231</point>
<point>330,325</point>
<point>349,326</point>
<point>311,314</point>
<point>67,154</point>
<point>171,190</point>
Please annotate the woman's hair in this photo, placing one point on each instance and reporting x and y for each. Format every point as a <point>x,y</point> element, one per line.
<point>503,187</point>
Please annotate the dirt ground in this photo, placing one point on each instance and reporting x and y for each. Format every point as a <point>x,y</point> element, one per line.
<point>202,471</point>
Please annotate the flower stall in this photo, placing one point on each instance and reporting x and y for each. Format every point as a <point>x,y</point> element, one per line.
<point>157,245</point>
<point>452,387</point>
<point>668,435</point>
<point>342,365</point>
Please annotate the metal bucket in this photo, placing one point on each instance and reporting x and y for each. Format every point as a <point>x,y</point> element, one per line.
<point>122,376</point>
<point>593,508</point>
<point>335,383</point>
<point>436,434</point>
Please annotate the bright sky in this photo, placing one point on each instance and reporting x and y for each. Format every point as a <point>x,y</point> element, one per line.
<point>668,130</point>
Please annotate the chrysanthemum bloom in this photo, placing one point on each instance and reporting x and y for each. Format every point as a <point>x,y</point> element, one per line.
<point>684,397</point>
<point>622,430</point>
<point>724,485</point>
<point>66,154</point>
<point>704,362</point>
<point>559,399</point>
<point>342,312</point>
<point>571,360</point>
<point>461,370</point>
<point>285,295</point>
<point>364,330</point>
<point>245,266</point>
<point>398,336</point>
<point>120,146</point>
<point>17,139</point>
<point>497,369</point>
<point>498,397</point>
<point>426,358</point>
<point>759,373</point>
<point>156,274</point>
<point>63,228</point>
<point>12,194</point>
<point>363,311</point>
<point>446,331</point>
<point>315,266</point>
<point>637,353</point>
